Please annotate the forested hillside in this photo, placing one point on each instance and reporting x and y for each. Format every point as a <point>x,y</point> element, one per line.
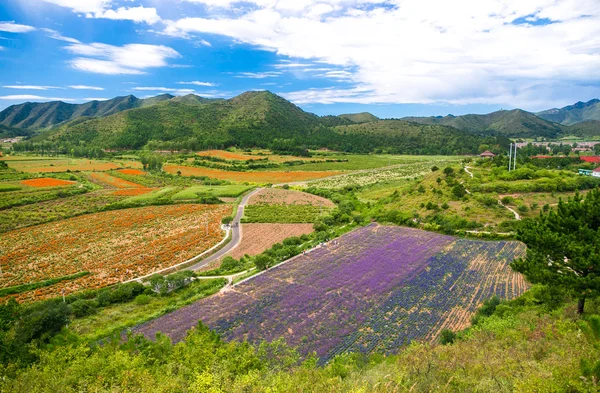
<point>34,115</point>
<point>515,123</point>
<point>573,114</point>
<point>256,119</point>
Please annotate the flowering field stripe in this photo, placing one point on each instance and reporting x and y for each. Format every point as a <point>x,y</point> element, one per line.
<point>46,283</point>
<point>47,182</point>
<point>379,288</point>
<point>113,246</point>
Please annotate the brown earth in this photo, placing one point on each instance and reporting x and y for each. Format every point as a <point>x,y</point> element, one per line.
<point>277,196</point>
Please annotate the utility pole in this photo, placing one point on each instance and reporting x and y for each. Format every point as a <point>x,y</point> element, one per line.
<point>509,157</point>
<point>515,158</point>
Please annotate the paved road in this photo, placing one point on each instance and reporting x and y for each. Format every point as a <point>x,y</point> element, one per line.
<point>236,235</point>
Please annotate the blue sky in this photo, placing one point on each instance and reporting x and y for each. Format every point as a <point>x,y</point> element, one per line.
<point>393,58</point>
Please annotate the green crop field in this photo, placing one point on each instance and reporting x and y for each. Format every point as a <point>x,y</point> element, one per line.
<point>217,191</point>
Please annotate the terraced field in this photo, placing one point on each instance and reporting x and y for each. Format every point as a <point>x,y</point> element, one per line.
<point>375,289</point>
<point>113,246</point>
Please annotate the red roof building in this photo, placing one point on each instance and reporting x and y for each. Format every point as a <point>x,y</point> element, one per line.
<point>594,159</point>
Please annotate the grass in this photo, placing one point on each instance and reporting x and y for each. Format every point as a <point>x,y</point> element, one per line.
<point>217,191</point>
<point>152,197</point>
<point>282,213</point>
<point>366,161</point>
<point>46,283</point>
<point>9,187</point>
<point>119,317</point>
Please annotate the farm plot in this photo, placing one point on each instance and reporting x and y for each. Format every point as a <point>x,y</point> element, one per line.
<point>217,191</point>
<point>47,182</point>
<point>32,165</point>
<point>259,237</point>
<point>379,288</point>
<point>278,196</point>
<point>57,209</point>
<point>365,178</point>
<point>113,246</point>
<point>285,206</point>
<point>250,177</point>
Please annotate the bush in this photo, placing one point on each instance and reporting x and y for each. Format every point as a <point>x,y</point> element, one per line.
<point>84,307</point>
<point>229,263</point>
<point>227,220</point>
<point>142,299</point>
<point>447,336</point>
<point>507,200</point>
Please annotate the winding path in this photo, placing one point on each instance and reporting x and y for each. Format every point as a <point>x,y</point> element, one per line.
<point>236,235</point>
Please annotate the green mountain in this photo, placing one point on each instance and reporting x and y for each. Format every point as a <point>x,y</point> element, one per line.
<point>514,123</point>
<point>586,129</point>
<point>34,115</point>
<point>573,114</point>
<point>363,117</point>
<point>9,132</point>
<point>404,137</point>
<point>260,119</point>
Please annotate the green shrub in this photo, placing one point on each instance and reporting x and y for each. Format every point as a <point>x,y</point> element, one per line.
<point>84,307</point>
<point>142,299</point>
<point>447,336</point>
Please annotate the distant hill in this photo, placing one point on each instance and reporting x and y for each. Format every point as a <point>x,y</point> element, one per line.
<point>9,132</point>
<point>586,129</point>
<point>363,117</point>
<point>573,114</point>
<point>32,115</point>
<point>514,123</point>
<point>404,137</point>
<point>260,119</point>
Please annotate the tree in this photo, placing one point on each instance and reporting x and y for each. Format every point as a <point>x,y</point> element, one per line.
<point>563,247</point>
<point>263,261</point>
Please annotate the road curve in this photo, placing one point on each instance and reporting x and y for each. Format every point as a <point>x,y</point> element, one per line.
<point>236,235</point>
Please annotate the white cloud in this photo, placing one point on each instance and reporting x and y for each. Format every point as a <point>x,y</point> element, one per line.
<point>30,87</point>
<point>259,75</point>
<point>85,87</point>
<point>58,36</point>
<point>12,27</point>
<point>165,90</point>
<point>198,83</point>
<point>24,97</point>
<point>82,6</point>
<point>422,51</point>
<point>135,14</point>
<point>101,9</point>
<point>96,99</point>
<point>131,59</point>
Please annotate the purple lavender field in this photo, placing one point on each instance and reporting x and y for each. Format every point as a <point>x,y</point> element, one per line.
<point>378,289</point>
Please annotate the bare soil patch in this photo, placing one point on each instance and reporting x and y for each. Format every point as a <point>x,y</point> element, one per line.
<point>277,196</point>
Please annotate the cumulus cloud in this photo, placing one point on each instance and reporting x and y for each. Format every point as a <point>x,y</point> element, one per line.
<point>135,14</point>
<point>12,27</point>
<point>421,51</point>
<point>131,59</point>
<point>101,9</point>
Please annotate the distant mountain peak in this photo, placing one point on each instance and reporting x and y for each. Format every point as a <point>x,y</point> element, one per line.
<point>572,114</point>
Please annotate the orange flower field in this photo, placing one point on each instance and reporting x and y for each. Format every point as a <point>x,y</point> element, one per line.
<point>132,171</point>
<point>113,246</point>
<point>251,177</point>
<point>114,181</point>
<point>132,191</point>
<point>47,182</point>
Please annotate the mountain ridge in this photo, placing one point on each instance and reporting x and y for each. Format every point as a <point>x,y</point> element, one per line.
<point>573,114</point>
